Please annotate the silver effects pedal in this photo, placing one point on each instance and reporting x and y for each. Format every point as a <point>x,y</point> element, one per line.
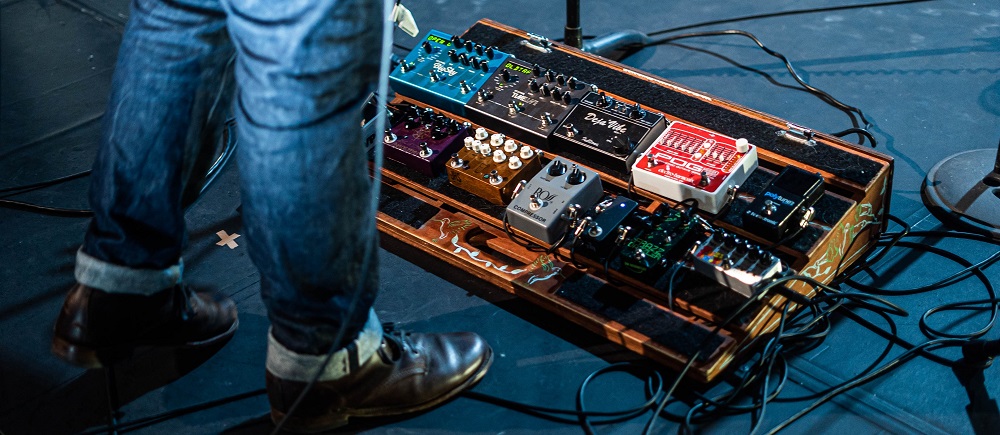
<point>548,203</point>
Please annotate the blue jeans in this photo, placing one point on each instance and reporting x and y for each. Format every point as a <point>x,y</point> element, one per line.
<point>302,69</point>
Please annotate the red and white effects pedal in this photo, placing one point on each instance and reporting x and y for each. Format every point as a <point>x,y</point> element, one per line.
<point>691,162</point>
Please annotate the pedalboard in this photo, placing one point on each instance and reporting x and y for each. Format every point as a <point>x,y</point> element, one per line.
<point>446,71</point>
<point>734,262</point>
<point>689,162</point>
<point>553,198</point>
<point>424,140</point>
<point>608,130</point>
<point>491,166</point>
<point>784,205</point>
<point>525,101</point>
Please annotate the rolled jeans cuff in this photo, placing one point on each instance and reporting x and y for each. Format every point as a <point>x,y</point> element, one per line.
<point>113,278</point>
<point>292,366</point>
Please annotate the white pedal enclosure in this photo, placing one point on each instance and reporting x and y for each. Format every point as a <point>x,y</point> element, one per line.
<point>691,162</point>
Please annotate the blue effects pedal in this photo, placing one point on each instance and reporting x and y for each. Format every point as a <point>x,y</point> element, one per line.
<point>446,71</point>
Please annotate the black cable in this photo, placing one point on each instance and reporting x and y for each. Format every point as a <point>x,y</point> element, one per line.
<point>858,131</point>
<point>169,415</point>
<point>903,358</point>
<point>41,184</point>
<point>829,99</point>
<point>783,13</point>
<point>51,211</point>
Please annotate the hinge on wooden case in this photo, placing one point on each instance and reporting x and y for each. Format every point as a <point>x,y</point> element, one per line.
<point>797,134</point>
<point>537,42</point>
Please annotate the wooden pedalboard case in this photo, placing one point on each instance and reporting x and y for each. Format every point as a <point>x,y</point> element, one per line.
<point>465,232</point>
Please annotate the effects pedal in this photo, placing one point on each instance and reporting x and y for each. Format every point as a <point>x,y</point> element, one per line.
<point>785,205</point>
<point>603,227</point>
<point>424,140</point>
<point>445,71</point>
<point>492,166</point>
<point>666,238</point>
<point>553,198</point>
<point>608,130</point>
<point>734,262</point>
<point>525,101</point>
<point>691,162</point>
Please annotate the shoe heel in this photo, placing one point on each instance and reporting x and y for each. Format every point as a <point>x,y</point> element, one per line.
<point>88,357</point>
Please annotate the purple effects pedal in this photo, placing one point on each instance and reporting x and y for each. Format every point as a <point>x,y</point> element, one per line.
<point>424,140</point>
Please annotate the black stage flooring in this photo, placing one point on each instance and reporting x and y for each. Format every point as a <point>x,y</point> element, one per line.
<point>927,74</point>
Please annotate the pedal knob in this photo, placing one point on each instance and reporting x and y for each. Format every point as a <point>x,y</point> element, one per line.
<point>497,139</point>
<point>499,156</point>
<point>556,94</point>
<point>468,141</point>
<point>427,47</point>
<point>526,153</point>
<point>490,53</point>
<point>482,134</point>
<point>550,75</point>
<point>510,146</point>
<point>546,90</point>
<point>456,161</point>
<point>453,55</point>
<point>405,67</point>
<point>464,58</point>
<point>567,97</point>
<point>561,79</point>
<point>742,145</point>
<point>505,75</point>
<point>571,82</point>
<point>479,49</point>
<point>576,176</point>
<point>533,86</point>
<point>558,168</point>
<point>602,100</point>
<point>636,112</point>
<point>536,70</point>
<point>425,151</point>
<point>514,163</point>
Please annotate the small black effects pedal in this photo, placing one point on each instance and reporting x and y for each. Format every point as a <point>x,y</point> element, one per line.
<point>785,205</point>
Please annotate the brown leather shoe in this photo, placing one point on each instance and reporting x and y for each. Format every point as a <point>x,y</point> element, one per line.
<point>97,328</point>
<point>410,372</point>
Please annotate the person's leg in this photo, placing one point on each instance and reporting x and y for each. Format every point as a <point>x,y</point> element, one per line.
<point>169,94</point>
<point>303,70</point>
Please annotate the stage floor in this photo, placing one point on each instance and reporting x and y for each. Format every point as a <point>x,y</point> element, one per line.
<point>927,74</point>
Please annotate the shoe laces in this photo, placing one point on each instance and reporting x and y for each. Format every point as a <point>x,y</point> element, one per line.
<point>182,298</point>
<point>399,338</point>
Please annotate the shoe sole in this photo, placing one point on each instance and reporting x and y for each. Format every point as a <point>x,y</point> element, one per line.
<point>331,422</point>
<point>96,358</point>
